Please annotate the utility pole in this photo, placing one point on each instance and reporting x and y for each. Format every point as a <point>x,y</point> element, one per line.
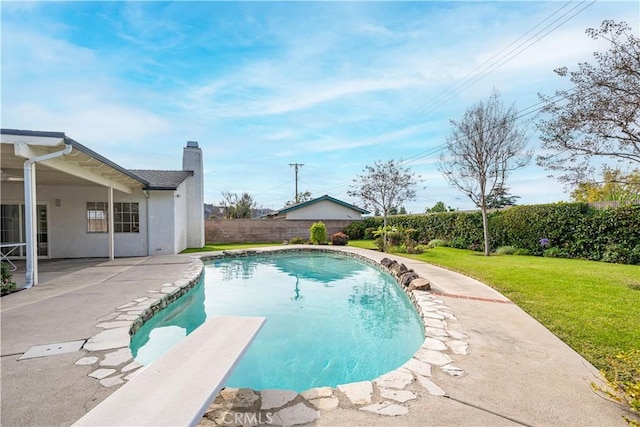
<point>296,166</point>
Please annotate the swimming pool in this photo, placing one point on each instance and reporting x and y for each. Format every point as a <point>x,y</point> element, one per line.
<point>331,319</point>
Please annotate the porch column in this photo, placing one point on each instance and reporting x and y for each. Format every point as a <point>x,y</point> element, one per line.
<point>110,227</point>
<point>30,218</point>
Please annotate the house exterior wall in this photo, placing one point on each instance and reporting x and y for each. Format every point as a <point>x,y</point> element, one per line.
<point>181,216</point>
<point>324,210</point>
<point>162,232</point>
<point>68,236</point>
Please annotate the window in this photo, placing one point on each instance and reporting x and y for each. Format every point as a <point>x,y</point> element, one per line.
<point>126,217</point>
<point>97,217</point>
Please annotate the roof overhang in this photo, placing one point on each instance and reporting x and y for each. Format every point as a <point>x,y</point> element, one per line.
<point>81,167</point>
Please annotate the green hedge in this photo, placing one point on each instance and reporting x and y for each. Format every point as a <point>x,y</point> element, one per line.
<point>573,230</point>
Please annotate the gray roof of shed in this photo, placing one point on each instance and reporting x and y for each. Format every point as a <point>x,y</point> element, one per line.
<point>162,180</point>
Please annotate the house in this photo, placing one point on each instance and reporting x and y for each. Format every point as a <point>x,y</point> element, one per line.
<point>322,208</point>
<point>60,199</point>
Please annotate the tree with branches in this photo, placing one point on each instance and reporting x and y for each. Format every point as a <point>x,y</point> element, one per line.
<point>616,185</point>
<point>600,116</point>
<point>482,149</point>
<point>302,197</point>
<point>237,206</point>
<point>383,187</point>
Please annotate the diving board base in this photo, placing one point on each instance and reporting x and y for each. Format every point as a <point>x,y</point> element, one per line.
<point>177,389</point>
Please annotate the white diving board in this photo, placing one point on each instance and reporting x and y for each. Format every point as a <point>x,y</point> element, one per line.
<point>177,389</point>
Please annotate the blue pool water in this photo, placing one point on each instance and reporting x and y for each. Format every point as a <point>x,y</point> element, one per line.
<point>330,319</point>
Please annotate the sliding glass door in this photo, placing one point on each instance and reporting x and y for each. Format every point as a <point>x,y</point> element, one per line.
<point>12,228</point>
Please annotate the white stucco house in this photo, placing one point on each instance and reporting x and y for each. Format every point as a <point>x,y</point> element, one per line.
<point>321,208</point>
<point>60,199</point>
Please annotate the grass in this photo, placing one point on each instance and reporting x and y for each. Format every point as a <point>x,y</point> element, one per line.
<point>594,307</point>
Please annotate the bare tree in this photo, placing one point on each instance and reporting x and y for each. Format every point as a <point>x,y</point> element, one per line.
<point>483,148</point>
<point>384,186</point>
<point>238,206</point>
<point>598,117</point>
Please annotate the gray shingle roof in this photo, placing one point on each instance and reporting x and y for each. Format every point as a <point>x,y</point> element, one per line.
<point>162,180</point>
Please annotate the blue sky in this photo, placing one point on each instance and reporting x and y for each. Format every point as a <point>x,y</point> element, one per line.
<point>335,86</point>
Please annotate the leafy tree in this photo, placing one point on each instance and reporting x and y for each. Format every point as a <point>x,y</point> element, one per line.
<point>302,197</point>
<point>615,186</point>
<point>237,206</point>
<point>439,207</point>
<point>384,186</point>
<point>484,146</point>
<point>601,115</point>
<point>500,198</point>
<point>397,210</point>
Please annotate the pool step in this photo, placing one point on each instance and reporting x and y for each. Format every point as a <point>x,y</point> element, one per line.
<point>177,389</point>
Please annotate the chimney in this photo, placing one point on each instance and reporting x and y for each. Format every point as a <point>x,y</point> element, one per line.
<point>192,161</point>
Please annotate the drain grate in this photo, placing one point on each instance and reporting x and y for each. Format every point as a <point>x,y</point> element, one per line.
<point>52,349</point>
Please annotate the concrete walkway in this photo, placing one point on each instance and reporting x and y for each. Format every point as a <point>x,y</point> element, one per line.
<point>517,372</point>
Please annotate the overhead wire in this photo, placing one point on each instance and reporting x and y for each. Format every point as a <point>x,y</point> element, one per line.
<point>477,74</point>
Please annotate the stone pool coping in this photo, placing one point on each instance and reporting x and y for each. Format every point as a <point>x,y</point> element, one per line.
<point>385,395</point>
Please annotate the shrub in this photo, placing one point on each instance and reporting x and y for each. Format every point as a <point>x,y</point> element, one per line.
<point>7,284</point>
<point>339,239</point>
<point>369,233</point>
<point>506,250</point>
<point>433,243</point>
<point>556,252</point>
<point>355,230</point>
<point>296,241</point>
<point>520,251</point>
<point>318,233</point>
<point>575,230</point>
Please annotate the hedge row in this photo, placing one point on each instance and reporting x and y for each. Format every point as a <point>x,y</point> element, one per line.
<point>572,230</point>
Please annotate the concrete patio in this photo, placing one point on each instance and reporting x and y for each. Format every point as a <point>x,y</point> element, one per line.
<point>517,372</point>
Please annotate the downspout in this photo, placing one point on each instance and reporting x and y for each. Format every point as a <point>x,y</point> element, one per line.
<point>30,201</point>
<point>147,195</point>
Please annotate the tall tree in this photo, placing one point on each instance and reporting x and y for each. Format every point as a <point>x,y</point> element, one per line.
<point>439,207</point>
<point>615,186</point>
<point>384,187</point>
<point>600,116</point>
<point>238,206</point>
<point>482,149</point>
<point>500,198</point>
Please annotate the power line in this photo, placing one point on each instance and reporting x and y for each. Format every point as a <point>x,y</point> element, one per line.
<point>472,77</point>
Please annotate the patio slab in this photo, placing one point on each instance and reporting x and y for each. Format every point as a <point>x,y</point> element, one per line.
<point>516,371</point>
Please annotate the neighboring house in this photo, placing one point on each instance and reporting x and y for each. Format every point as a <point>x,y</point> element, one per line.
<point>62,200</point>
<point>322,208</point>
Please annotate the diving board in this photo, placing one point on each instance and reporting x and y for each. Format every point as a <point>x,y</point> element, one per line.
<point>177,389</point>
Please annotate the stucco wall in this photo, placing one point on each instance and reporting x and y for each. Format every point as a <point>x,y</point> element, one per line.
<point>324,210</point>
<point>161,222</point>
<point>68,236</point>
<point>264,230</point>
<point>181,217</point>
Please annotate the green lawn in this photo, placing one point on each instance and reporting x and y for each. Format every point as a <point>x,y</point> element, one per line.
<point>592,306</point>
